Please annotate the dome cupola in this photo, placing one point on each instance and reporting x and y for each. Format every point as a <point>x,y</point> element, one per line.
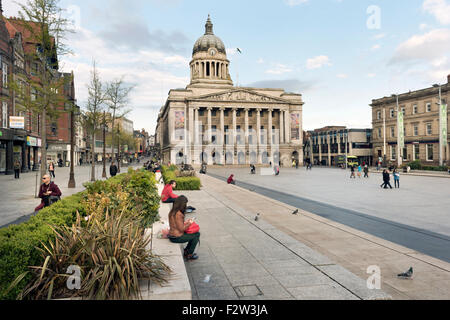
<point>209,63</point>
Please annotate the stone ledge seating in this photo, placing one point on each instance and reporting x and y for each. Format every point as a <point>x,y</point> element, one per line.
<point>178,287</point>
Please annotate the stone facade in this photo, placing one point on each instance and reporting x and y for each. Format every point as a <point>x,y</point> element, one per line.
<point>214,122</point>
<point>325,145</point>
<point>421,126</point>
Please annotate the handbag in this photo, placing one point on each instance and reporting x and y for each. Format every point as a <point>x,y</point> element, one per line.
<point>193,228</point>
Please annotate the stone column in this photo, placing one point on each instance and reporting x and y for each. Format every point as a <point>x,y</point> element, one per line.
<point>209,126</point>
<point>234,127</point>
<point>222,126</point>
<point>191,125</point>
<point>287,126</point>
<point>258,133</point>
<point>246,128</point>
<point>196,133</point>
<point>281,127</point>
<point>269,130</point>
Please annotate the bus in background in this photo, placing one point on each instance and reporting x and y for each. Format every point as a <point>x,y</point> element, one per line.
<point>351,161</point>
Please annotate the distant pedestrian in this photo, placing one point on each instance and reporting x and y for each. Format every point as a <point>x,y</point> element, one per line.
<point>231,180</point>
<point>16,169</point>
<point>48,192</point>
<point>359,171</point>
<point>81,161</point>
<point>386,179</point>
<point>396,178</point>
<point>113,169</point>
<point>352,172</point>
<point>296,164</point>
<point>366,171</point>
<point>51,169</point>
<point>252,169</point>
<point>276,170</point>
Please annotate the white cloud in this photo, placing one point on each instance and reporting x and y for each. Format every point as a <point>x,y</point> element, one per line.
<point>342,76</point>
<point>279,69</point>
<point>423,26</point>
<point>293,3</point>
<point>318,62</point>
<point>371,75</point>
<point>440,9</point>
<point>376,47</point>
<point>260,61</point>
<point>379,36</point>
<point>429,46</point>
<point>153,73</point>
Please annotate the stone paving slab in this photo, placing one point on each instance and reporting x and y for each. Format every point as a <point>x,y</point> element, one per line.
<point>348,247</point>
<point>241,258</point>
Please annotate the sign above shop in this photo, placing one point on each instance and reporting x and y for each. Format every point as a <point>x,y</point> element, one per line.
<point>17,122</point>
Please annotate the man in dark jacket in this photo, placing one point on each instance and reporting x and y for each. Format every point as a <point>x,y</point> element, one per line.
<point>386,179</point>
<point>113,169</point>
<point>48,192</point>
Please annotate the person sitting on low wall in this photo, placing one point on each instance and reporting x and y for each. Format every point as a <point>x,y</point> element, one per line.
<point>167,195</point>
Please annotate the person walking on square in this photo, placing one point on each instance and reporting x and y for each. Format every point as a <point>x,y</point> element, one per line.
<point>366,171</point>
<point>386,179</point>
<point>16,169</point>
<point>178,227</point>
<point>352,170</point>
<point>51,169</point>
<point>396,179</point>
<point>359,171</point>
<point>113,169</point>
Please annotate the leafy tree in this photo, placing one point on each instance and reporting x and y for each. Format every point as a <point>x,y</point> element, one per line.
<point>46,29</point>
<point>117,99</point>
<point>94,111</point>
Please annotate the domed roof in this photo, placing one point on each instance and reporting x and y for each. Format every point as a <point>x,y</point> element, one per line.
<point>208,40</point>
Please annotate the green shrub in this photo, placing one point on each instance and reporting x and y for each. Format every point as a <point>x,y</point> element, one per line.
<point>18,243</point>
<point>183,183</point>
<point>415,165</point>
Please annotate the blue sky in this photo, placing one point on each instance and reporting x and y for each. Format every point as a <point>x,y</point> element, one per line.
<point>339,54</point>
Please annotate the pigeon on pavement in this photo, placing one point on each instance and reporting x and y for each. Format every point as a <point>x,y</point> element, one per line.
<point>295,212</point>
<point>257,217</point>
<point>406,275</point>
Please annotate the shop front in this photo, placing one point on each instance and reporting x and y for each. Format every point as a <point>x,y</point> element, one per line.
<point>12,147</point>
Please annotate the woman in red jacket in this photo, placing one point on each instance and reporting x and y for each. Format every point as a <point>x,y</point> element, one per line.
<point>167,195</point>
<point>231,179</point>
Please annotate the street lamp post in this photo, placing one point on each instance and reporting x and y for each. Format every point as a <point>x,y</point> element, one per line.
<point>118,149</point>
<point>72,183</point>
<point>441,142</point>
<point>384,137</point>
<point>104,145</point>
<point>399,132</point>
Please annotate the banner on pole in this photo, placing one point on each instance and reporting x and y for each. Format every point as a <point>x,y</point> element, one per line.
<point>401,129</point>
<point>443,122</point>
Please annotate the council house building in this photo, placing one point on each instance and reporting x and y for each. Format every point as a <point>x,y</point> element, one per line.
<point>212,121</point>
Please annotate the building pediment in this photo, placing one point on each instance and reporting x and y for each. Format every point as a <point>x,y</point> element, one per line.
<point>238,95</point>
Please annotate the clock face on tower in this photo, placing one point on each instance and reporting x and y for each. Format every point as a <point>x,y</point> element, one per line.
<point>212,52</point>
